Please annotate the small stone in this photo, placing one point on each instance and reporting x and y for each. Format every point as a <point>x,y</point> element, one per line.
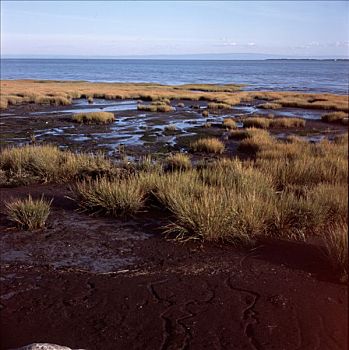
<point>44,346</point>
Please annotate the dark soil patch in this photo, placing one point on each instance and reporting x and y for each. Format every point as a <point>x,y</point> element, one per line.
<point>102,283</point>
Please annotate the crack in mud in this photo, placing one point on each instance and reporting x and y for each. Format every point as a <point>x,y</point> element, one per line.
<point>249,315</point>
<point>171,339</point>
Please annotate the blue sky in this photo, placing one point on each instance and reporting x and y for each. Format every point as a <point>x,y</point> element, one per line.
<point>96,28</point>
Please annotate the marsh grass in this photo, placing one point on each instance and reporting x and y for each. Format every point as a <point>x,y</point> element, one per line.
<point>229,123</point>
<point>270,105</point>
<point>47,163</point>
<point>265,122</point>
<point>335,117</point>
<point>212,212</point>
<point>119,198</point>
<point>28,213</point>
<point>94,117</point>
<point>336,247</point>
<point>178,161</point>
<point>170,129</point>
<point>63,92</point>
<point>238,134</point>
<point>163,107</point>
<point>255,140</point>
<point>208,145</point>
<point>218,105</point>
<point>287,123</point>
<point>256,122</point>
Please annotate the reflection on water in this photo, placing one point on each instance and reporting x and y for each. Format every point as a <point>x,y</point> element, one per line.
<point>138,128</point>
<point>97,106</point>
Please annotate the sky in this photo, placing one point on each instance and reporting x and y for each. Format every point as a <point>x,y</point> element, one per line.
<point>145,28</point>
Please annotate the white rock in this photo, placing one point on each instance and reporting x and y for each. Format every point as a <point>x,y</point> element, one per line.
<point>44,346</point>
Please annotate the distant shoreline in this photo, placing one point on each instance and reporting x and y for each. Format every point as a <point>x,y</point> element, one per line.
<point>175,59</point>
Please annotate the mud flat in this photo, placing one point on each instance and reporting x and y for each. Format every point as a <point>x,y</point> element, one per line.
<point>97,282</point>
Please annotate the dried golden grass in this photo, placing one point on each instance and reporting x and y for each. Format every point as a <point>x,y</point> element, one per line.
<point>178,161</point>
<point>47,163</point>
<point>218,105</point>
<point>256,122</point>
<point>208,145</point>
<point>94,117</point>
<point>29,213</point>
<point>229,123</point>
<point>267,122</point>
<point>155,108</point>
<point>336,245</point>
<point>335,117</point>
<point>62,92</point>
<point>120,197</point>
<point>287,123</point>
<point>270,105</point>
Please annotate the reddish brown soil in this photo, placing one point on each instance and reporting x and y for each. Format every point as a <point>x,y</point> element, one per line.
<point>101,283</point>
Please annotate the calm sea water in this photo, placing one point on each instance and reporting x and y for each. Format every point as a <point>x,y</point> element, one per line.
<point>314,76</point>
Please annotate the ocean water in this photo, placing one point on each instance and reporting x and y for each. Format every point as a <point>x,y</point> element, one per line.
<point>290,75</point>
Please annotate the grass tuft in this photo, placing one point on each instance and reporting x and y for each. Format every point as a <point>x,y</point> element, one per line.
<point>336,244</point>
<point>208,145</point>
<point>265,123</point>
<point>178,161</point>
<point>229,123</point>
<point>29,213</point>
<point>256,122</point>
<point>47,163</point>
<point>218,105</point>
<point>94,117</point>
<point>163,107</point>
<point>270,105</point>
<point>119,198</point>
<point>335,117</point>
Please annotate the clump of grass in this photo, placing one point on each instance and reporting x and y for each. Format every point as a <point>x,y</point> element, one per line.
<point>208,145</point>
<point>218,105</point>
<point>207,125</point>
<point>209,212</point>
<point>238,134</point>
<point>178,161</point>
<point>287,123</point>
<point>334,117</point>
<point>90,99</point>
<point>205,113</point>
<point>302,164</point>
<point>161,102</point>
<point>155,108</point>
<point>46,163</point>
<point>180,105</point>
<point>270,105</point>
<point>121,197</point>
<point>336,245</point>
<point>256,140</point>
<point>265,123</point>
<point>170,128</point>
<point>229,123</point>
<point>29,213</point>
<point>94,117</point>
<point>256,122</point>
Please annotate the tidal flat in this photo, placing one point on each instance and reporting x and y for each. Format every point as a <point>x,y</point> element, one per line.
<point>237,244</point>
